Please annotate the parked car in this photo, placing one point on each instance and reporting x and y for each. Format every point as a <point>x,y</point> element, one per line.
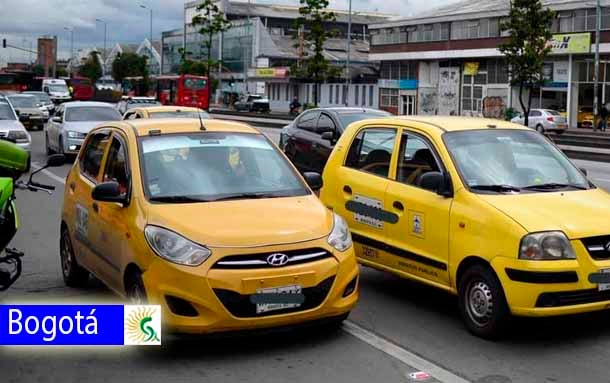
<point>166,112</point>
<point>10,126</point>
<point>57,89</point>
<point>544,120</point>
<point>29,113</point>
<point>310,138</point>
<point>585,117</point>
<point>128,103</point>
<point>267,254</point>
<point>253,103</point>
<point>72,121</point>
<point>45,102</point>
<point>485,209</point>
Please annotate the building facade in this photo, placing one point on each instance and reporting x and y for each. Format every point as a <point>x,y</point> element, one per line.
<point>47,55</point>
<point>446,61</point>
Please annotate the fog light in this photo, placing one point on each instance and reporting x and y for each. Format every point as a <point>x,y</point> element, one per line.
<point>351,287</point>
<point>72,147</point>
<point>180,307</point>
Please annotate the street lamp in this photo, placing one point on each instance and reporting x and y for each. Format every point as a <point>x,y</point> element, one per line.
<point>105,52</point>
<point>151,31</point>
<point>71,30</point>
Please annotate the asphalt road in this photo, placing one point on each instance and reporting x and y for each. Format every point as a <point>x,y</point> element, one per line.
<point>404,320</point>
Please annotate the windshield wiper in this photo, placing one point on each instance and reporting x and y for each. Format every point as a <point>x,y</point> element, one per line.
<point>246,196</point>
<point>178,199</point>
<point>553,186</point>
<point>496,188</point>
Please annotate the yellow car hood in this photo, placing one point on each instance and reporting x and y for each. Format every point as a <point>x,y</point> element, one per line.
<point>579,214</point>
<point>246,223</point>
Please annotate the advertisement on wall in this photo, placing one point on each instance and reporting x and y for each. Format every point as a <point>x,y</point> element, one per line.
<point>570,43</point>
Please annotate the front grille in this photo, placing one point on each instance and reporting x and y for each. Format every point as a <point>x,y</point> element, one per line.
<point>258,261</point>
<point>240,306</point>
<point>3,134</point>
<point>598,247</point>
<point>569,298</point>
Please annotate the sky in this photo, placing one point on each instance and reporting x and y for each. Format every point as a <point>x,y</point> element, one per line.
<point>22,21</point>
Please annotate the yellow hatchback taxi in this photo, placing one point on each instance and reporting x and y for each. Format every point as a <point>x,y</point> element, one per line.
<point>165,112</point>
<point>485,209</point>
<point>209,220</point>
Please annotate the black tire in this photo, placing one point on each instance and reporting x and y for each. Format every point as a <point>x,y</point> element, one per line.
<point>74,275</point>
<point>483,303</point>
<point>135,290</point>
<point>540,129</point>
<point>40,127</point>
<point>60,149</point>
<point>46,144</point>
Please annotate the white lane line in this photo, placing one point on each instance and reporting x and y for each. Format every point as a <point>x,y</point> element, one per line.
<point>401,354</point>
<point>54,177</point>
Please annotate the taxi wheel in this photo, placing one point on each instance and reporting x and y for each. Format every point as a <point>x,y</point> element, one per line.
<point>135,290</point>
<point>74,275</point>
<point>482,302</point>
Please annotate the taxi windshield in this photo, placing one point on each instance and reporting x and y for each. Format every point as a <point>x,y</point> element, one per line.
<point>212,166</point>
<point>511,161</point>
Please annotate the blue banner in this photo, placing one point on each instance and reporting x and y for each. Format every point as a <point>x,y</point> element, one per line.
<point>62,325</point>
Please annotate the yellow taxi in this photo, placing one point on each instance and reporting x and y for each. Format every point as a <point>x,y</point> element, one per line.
<point>485,209</point>
<point>171,112</point>
<point>209,220</point>
<point>585,117</point>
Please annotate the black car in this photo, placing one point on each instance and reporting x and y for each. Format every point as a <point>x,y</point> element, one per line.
<point>310,138</point>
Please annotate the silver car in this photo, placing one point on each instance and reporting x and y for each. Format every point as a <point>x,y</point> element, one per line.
<point>45,102</point>
<point>544,120</point>
<point>72,121</point>
<point>10,126</point>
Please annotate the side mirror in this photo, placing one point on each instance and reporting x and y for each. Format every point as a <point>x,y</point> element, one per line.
<point>437,182</point>
<point>56,119</point>
<point>314,180</point>
<point>55,160</point>
<point>108,192</point>
<point>329,135</point>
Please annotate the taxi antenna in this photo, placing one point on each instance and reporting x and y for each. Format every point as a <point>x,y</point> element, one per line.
<point>201,126</point>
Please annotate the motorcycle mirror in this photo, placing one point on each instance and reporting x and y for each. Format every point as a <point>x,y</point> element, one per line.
<point>55,160</point>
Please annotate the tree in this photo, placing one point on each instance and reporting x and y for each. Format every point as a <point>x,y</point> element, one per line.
<point>310,26</point>
<point>131,65</point>
<point>211,21</point>
<point>527,47</point>
<point>92,69</point>
<point>39,70</point>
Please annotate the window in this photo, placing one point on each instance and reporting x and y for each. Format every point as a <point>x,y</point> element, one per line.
<point>565,21</point>
<point>356,95</point>
<point>308,121</point>
<point>497,72</point>
<point>116,166</point>
<point>92,153</point>
<point>535,113</point>
<point>287,92</point>
<point>371,94</point>
<point>337,88</point>
<point>371,151</point>
<point>475,29</point>
<point>416,158</point>
<point>580,20</point>
<point>389,97</point>
<point>325,124</point>
<point>345,94</point>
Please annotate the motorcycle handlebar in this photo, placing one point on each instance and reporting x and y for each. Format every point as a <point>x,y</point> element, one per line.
<point>42,186</point>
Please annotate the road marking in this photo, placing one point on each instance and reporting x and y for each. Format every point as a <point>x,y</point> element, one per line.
<point>48,173</point>
<point>401,354</point>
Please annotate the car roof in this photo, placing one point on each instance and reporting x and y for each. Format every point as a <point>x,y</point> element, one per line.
<point>347,110</point>
<point>14,95</point>
<point>72,104</point>
<point>143,127</point>
<point>457,123</point>
<point>166,108</point>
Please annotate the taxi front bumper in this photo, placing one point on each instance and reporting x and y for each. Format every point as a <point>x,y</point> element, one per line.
<point>549,288</point>
<point>208,299</point>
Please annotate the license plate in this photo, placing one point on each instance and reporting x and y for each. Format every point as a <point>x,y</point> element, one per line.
<point>562,126</point>
<point>283,297</point>
<point>604,286</point>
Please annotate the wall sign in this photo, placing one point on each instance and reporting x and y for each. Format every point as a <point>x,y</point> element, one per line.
<point>571,43</point>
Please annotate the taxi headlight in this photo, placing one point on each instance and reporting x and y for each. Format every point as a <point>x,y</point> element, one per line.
<point>340,237</point>
<point>549,245</point>
<point>175,248</point>
<point>18,136</point>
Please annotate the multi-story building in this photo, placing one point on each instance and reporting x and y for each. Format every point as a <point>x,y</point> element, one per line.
<point>258,50</point>
<point>446,61</point>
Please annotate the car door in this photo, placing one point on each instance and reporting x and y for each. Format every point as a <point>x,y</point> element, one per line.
<point>113,217</point>
<point>360,190</point>
<point>53,128</point>
<point>299,145</point>
<point>321,147</point>
<point>534,118</point>
<point>419,240</point>
<point>83,178</point>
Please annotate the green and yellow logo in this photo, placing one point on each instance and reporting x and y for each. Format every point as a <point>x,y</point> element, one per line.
<point>142,325</point>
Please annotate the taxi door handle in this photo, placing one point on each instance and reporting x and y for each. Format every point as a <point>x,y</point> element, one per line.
<point>398,206</point>
<point>347,189</point>
<point>95,207</point>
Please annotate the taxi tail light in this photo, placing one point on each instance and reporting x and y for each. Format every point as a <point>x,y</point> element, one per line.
<point>351,287</point>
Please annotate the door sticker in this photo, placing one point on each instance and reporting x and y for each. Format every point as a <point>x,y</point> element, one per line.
<point>417,222</point>
<point>369,211</point>
<point>82,221</point>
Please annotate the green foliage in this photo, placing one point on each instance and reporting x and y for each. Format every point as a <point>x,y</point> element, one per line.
<point>510,113</point>
<point>527,47</point>
<point>61,72</point>
<point>39,70</point>
<point>310,26</point>
<point>199,68</point>
<point>129,65</point>
<point>92,69</point>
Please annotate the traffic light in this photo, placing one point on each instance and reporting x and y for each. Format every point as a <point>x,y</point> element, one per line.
<point>3,43</point>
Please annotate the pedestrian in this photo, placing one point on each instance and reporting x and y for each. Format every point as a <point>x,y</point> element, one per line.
<point>295,105</point>
<point>603,114</point>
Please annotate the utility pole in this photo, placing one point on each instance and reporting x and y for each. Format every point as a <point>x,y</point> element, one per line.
<point>598,17</point>
<point>348,50</point>
<point>151,31</point>
<point>105,52</point>
<point>71,30</point>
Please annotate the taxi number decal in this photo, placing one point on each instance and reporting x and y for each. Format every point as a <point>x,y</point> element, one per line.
<point>82,221</point>
<point>369,211</point>
<point>369,252</point>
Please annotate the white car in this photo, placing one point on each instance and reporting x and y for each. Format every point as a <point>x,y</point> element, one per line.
<point>72,121</point>
<point>136,102</point>
<point>10,126</point>
<point>57,90</point>
<point>544,120</point>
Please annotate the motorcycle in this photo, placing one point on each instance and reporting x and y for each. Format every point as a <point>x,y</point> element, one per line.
<point>14,162</point>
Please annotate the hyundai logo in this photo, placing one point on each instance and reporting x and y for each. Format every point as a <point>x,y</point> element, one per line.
<point>607,246</point>
<point>277,259</point>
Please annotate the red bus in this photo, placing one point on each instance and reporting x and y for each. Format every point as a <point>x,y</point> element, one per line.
<point>183,90</point>
<point>17,81</point>
<point>82,89</point>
